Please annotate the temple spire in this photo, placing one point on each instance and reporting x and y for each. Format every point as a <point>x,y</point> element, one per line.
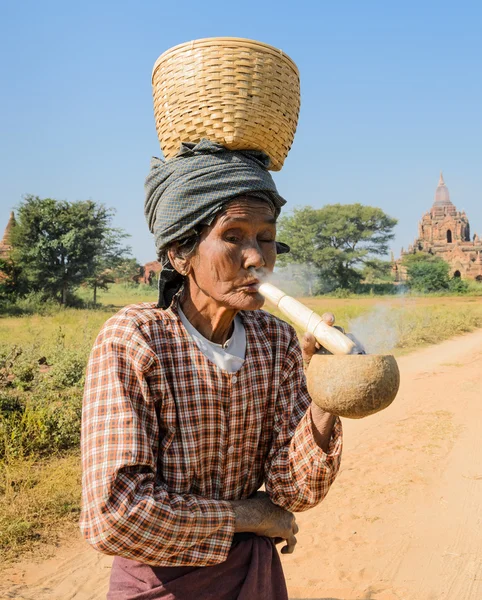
<point>5,246</point>
<point>442,196</point>
<point>8,229</point>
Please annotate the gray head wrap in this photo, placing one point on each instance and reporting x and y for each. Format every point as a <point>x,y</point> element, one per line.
<point>190,189</point>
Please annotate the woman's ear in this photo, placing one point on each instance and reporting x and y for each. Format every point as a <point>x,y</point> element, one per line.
<point>179,262</point>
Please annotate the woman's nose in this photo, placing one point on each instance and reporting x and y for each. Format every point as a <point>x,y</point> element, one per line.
<point>253,257</point>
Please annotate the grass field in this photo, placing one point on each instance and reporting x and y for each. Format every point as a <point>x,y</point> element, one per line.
<point>42,359</point>
<point>418,320</point>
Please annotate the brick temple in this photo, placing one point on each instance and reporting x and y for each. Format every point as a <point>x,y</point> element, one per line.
<point>5,243</point>
<point>444,231</point>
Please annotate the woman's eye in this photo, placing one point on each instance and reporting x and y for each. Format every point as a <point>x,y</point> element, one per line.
<point>233,239</point>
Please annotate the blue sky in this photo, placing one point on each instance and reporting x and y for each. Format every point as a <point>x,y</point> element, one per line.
<point>391,94</point>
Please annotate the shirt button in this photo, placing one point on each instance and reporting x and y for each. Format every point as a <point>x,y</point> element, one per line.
<point>230,449</point>
<point>234,379</point>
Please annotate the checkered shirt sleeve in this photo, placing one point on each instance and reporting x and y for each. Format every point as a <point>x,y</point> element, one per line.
<point>297,472</point>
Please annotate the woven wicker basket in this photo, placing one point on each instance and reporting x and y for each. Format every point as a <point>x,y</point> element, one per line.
<point>240,93</point>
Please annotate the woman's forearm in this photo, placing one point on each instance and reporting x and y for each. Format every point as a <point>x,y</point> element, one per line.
<point>322,426</point>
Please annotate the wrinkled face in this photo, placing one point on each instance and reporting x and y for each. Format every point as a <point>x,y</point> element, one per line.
<point>243,236</point>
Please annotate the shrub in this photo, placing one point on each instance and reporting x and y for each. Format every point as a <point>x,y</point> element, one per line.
<point>40,409</point>
<point>9,404</point>
<point>341,293</point>
<point>427,273</point>
<point>45,424</point>
<point>458,286</point>
<point>18,367</point>
<point>52,422</point>
<point>67,370</point>
<point>35,303</point>
<point>25,369</point>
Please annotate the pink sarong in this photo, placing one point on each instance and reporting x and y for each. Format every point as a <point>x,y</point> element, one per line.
<point>252,571</point>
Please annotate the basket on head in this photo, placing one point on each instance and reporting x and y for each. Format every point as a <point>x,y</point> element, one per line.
<point>240,93</point>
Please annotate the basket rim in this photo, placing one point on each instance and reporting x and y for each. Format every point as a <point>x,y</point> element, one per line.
<point>236,41</point>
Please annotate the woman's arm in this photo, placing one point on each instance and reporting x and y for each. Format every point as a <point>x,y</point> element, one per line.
<point>305,454</point>
<point>323,422</point>
<point>127,510</point>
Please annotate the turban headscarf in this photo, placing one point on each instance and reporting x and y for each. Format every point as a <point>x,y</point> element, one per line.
<point>192,188</point>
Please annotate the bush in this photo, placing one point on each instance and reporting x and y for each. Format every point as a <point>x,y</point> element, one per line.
<point>25,370</point>
<point>36,303</point>
<point>341,293</point>
<point>379,289</point>
<point>42,425</point>
<point>52,423</point>
<point>40,398</point>
<point>427,273</point>
<point>18,367</point>
<point>474,288</point>
<point>9,404</point>
<point>458,286</point>
<point>67,370</point>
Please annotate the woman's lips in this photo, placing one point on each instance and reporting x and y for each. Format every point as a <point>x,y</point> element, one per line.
<point>252,286</point>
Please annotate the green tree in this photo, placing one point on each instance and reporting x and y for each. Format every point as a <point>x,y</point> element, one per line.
<point>127,271</point>
<point>427,273</point>
<point>59,244</point>
<point>111,254</point>
<point>336,240</point>
<point>377,270</point>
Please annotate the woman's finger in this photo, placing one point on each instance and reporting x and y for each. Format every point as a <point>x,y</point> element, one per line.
<point>290,545</point>
<point>308,347</point>
<point>328,318</point>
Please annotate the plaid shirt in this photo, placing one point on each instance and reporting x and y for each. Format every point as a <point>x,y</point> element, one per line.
<point>168,438</point>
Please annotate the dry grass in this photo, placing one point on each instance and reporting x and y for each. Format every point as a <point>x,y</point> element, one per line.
<point>410,323</point>
<point>39,500</point>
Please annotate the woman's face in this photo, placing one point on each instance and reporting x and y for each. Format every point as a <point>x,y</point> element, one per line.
<point>241,237</point>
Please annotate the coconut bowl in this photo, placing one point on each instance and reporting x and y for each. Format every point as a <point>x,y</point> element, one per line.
<point>353,386</point>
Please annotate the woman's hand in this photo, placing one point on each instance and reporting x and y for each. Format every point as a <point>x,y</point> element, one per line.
<point>260,516</point>
<point>310,346</point>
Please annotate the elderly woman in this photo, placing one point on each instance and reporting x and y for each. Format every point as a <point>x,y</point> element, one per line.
<point>193,403</point>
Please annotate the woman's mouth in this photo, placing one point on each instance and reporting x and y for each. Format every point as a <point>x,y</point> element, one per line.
<point>251,286</point>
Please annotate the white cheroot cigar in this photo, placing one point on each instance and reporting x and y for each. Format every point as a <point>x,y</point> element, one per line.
<point>329,337</point>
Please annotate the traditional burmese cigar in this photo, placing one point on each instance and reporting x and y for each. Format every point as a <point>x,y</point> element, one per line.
<point>327,336</point>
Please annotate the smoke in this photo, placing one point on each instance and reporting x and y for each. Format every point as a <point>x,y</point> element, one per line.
<point>296,279</point>
<point>376,330</point>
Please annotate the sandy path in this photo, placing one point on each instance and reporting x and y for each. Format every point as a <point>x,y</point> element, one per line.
<point>402,522</point>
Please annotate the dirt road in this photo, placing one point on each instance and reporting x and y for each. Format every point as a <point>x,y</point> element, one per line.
<point>402,522</point>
